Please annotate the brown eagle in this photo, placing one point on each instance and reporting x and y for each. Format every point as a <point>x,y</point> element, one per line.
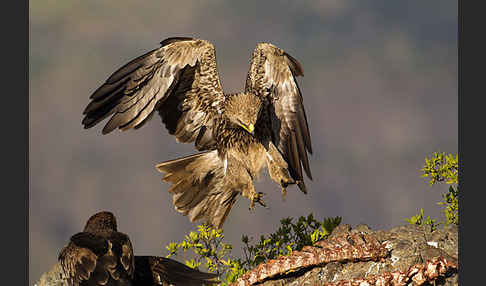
<point>239,133</point>
<point>100,255</point>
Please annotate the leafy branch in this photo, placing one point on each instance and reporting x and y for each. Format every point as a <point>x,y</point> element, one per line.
<point>441,168</point>
<point>208,247</point>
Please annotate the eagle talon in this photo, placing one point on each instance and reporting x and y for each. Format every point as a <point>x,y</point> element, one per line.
<point>284,184</point>
<point>287,183</point>
<point>257,198</point>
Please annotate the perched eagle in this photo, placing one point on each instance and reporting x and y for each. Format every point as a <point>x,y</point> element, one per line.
<point>100,255</point>
<point>239,133</point>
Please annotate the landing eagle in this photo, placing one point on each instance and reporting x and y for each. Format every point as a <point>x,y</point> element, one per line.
<point>239,133</point>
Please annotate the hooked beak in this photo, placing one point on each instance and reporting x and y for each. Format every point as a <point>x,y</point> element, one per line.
<point>250,128</point>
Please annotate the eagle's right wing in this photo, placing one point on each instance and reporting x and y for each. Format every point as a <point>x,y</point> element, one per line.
<point>152,270</point>
<point>179,80</point>
<point>81,258</point>
<point>77,263</point>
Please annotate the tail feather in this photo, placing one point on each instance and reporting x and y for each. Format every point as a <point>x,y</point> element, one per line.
<point>198,187</point>
<point>176,165</point>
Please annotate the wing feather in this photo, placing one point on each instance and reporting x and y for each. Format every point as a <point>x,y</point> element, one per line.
<point>91,259</point>
<point>82,260</point>
<point>272,75</point>
<point>78,263</point>
<point>152,270</point>
<point>179,80</point>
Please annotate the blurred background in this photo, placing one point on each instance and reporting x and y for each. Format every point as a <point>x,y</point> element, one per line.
<point>380,92</point>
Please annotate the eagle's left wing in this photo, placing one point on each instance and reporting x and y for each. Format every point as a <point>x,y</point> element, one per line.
<point>90,259</point>
<point>272,75</point>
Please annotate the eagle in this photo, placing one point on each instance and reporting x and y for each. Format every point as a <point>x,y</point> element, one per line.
<point>100,255</point>
<point>237,134</point>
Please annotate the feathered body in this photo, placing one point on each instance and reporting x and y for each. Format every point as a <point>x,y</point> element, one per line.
<point>239,133</point>
<point>100,255</point>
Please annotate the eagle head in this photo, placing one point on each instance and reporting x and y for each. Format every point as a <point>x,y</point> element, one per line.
<point>100,222</point>
<point>242,110</point>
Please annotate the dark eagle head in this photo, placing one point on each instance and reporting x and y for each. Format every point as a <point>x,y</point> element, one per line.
<point>101,221</point>
<point>242,110</point>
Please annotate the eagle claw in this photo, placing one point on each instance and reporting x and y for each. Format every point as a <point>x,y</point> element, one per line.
<point>257,198</point>
<point>284,185</point>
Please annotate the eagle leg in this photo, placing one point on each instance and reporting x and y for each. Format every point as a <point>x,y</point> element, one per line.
<point>281,176</point>
<point>278,169</point>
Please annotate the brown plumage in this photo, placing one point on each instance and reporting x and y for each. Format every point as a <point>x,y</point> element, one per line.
<point>100,255</point>
<point>239,133</point>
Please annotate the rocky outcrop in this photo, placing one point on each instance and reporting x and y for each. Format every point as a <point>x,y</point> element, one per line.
<point>404,255</point>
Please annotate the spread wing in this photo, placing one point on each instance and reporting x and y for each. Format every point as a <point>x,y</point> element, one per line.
<point>179,80</point>
<point>93,260</point>
<point>272,75</point>
<point>151,270</point>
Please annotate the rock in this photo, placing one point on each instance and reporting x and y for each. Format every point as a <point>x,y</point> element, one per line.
<point>361,228</point>
<point>340,229</point>
<point>412,251</point>
<point>54,277</point>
